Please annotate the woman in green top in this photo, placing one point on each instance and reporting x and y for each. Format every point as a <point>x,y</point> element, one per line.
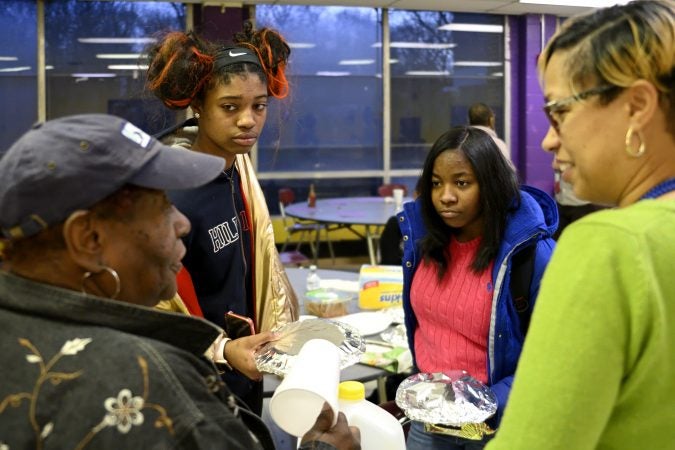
<point>598,366</point>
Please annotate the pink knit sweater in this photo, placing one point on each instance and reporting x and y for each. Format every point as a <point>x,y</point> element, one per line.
<point>453,314</point>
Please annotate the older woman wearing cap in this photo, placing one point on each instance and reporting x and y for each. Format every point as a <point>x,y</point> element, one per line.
<point>93,243</point>
<point>597,369</point>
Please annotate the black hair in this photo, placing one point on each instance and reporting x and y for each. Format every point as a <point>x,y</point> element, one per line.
<point>182,65</point>
<point>480,114</point>
<point>499,194</point>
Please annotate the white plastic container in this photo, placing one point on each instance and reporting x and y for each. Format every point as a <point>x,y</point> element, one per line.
<point>379,429</point>
<point>313,279</point>
<point>311,381</point>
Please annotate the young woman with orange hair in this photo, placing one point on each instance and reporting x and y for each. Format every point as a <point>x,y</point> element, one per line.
<point>231,262</point>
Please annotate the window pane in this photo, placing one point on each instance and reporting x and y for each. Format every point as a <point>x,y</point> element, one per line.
<point>97,65</point>
<point>332,119</point>
<point>18,85</point>
<point>438,73</point>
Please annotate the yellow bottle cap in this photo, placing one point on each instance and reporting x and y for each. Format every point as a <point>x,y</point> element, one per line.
<point>351,390</point>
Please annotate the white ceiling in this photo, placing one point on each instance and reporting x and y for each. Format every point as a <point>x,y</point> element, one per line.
<point>482,6</point>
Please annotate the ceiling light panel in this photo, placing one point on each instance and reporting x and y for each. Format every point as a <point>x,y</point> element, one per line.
<point>93,75</point>
<point>577,3</point>
<point>128,67</point>
<point>15,69</point>
<point>428,73</point>
<point>356,62</point>
<point>477,64</point>
<point>417,45</point>
<point>116,40</point>
<point>328,73</point>
<point>472,27</point>
<point>301,45</point>
<point>120,55</point>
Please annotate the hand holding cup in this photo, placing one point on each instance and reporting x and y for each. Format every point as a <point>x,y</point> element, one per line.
<point>341,436</point>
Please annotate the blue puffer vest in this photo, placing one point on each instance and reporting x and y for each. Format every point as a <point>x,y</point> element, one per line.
<point>532,223</point>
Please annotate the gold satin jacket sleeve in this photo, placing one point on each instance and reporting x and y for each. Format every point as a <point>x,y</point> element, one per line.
<point>276,302</point>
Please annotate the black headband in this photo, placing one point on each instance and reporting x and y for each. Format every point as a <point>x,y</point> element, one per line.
<point>234,55</point>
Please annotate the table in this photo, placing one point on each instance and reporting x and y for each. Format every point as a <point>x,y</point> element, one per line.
<point>346,212</point>
<point>358,372</point>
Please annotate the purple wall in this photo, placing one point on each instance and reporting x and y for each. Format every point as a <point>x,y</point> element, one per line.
<point>528,123</point>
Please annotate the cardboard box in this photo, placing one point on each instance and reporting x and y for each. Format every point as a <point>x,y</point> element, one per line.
<point>380,286</point>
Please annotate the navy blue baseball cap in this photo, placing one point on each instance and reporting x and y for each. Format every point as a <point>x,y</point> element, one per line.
<point>72,163</point>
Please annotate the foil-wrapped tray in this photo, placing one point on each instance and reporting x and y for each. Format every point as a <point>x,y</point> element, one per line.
<point>446,398</point>
<point>277,356</point>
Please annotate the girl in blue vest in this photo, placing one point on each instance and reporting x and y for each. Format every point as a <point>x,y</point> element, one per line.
<point>460,238</point>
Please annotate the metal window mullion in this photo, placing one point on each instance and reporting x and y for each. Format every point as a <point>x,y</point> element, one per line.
<point>386,97</point>
<point>253,154</point>
<point>507,85</point>
<point>542,23</point>
<point>189,25</point>
<point>41,78</point>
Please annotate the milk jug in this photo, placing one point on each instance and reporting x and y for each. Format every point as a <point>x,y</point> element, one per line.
<point>379,429</point>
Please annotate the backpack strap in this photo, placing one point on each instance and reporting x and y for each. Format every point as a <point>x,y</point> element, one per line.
<point>522,266</point>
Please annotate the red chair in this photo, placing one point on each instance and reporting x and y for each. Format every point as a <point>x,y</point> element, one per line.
<point>387,190</point>
<point>303,229</point>
<point>294,258</point>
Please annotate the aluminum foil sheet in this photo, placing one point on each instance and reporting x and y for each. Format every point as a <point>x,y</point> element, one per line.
<point>395,313</point>
<point>277,357</point>
<point>446,398</point>
<point>396,336</point>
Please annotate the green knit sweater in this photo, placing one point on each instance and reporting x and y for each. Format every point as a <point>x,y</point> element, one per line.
<point>598,367</point>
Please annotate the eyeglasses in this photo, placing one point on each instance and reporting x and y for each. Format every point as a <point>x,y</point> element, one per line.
<point>555,108</point>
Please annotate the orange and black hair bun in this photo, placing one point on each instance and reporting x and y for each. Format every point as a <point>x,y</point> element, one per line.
<point>273,51</point>
<point>180,65</point>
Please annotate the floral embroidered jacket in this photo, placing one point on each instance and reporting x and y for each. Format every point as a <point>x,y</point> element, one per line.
<point>82,372</point>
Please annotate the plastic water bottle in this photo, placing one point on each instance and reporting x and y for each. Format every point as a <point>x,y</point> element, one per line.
<point>313,279</point>
<point>379,429</point>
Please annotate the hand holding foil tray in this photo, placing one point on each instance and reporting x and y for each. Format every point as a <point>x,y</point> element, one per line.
<point>277,356</point>
<point>446,398</point>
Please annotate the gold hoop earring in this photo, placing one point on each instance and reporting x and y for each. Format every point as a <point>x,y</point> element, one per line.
<point>112,272</point>
<point>629,141</point>
<point>197,115</point>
